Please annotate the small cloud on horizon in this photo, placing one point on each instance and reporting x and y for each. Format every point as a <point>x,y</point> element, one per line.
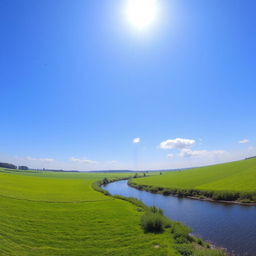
<point>136,140</point>
<point>46,160</point>
<point>244,141</point>
<point>83,161</point>
<point>201,153</point>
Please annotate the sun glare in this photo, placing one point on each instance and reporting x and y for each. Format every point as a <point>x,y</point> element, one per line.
<point>141,14</point>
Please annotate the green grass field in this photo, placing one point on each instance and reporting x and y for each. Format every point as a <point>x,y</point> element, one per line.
<point>50,213</point>
<point>237,176</point>
<point>44,213</point>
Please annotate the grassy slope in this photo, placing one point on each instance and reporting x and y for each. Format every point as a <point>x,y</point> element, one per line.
<point>40,215</point>
<point>235,176</point>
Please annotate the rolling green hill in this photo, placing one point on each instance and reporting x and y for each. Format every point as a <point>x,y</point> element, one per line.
<point>230,181</point>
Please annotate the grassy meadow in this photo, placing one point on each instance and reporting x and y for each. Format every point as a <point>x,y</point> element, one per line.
<point>51,213</point>
<point>46,213</point>
<point>235,180</point>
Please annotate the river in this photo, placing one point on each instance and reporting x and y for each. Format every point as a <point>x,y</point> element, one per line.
<point>229,226</point>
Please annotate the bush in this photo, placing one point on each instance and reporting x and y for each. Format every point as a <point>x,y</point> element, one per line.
<point>139,187</point>
<point>200,242</point>
<point>180,193</point>
<point>247,197</point>
<point>105,181</point>
<point>154,209</point>
<point>152,222</point>
<point>153,189</point>
<point>181,233</point>
<point>185,249</point>
<point>97,186</point>
<point>24,168</point>
<point>225,195</point>
<point>166,192</point>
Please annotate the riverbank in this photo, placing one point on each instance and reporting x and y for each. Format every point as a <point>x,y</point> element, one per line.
<point>184,242</point>
<point>232,183</point>
<point>191,194</point>
<point>225,225</point>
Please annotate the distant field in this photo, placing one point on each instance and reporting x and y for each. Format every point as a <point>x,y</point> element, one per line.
<point>235,177</point>
<point>46,213</point>
<point>51,186</point>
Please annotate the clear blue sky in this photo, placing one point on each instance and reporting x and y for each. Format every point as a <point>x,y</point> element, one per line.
<point>78,84</point>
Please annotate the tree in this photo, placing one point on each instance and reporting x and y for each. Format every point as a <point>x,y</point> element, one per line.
<point>23,168</point>
<point>105,181</point>
<point>7,165</point>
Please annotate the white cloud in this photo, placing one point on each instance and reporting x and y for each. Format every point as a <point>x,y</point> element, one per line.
<point>244,141</point>
<point>201,153</point>
<point>136,140</point>
<point>178,143</point>
<point>83,161</point>
<point>170,155</point>
<point>44,160</point>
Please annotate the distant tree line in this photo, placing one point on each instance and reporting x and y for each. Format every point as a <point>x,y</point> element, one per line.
<point>250,157</point>
<point>7,165</point>
<point>12,166</point>
<point>22,167</point>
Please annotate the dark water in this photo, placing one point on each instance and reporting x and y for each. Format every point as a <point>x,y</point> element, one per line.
<point>230,226</point>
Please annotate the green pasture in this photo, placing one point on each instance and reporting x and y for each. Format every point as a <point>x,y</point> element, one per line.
<point>46,213</point>
<point>60,214</point>
<point>235,176</point>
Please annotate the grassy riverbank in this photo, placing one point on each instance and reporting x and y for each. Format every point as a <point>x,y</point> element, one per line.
<point>235,181</point>
<point>49,213</point>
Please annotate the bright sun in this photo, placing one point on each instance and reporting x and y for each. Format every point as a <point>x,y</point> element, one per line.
<point>141,14</point>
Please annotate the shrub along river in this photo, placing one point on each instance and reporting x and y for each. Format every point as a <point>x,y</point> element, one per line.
<point>229,226</point>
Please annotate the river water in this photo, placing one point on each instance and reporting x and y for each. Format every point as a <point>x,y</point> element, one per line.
<point>229,226</point>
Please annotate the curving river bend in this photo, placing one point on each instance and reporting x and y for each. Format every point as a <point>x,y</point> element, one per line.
<point>230,226</point>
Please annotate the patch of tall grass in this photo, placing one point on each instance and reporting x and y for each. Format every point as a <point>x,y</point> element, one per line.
<point>153,220</point>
